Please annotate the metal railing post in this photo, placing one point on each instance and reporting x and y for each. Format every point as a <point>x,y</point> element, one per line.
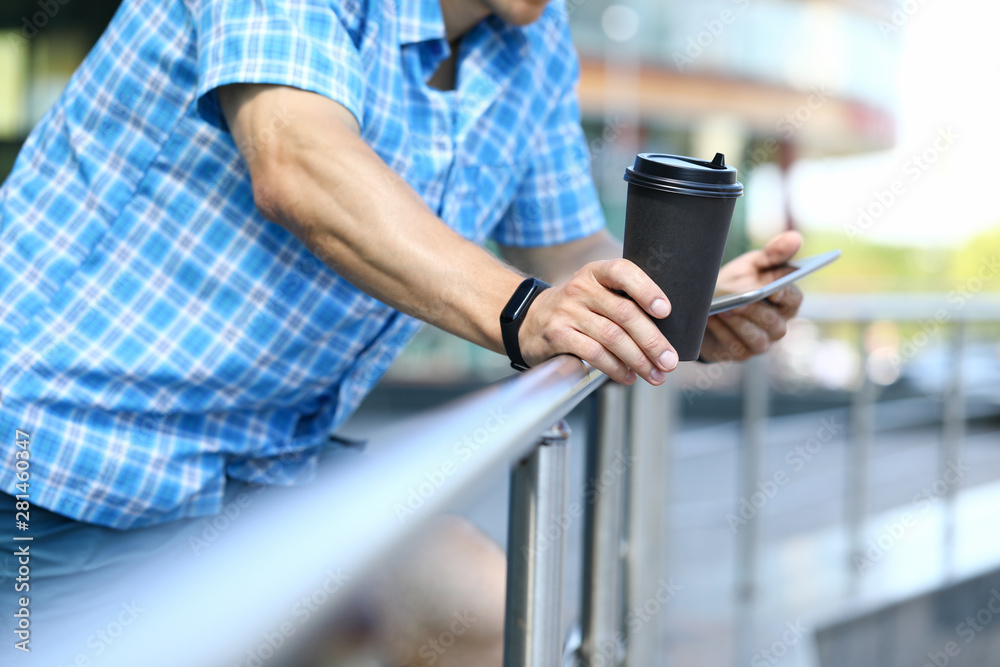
<point>859,452</point>
<point>756,405</point>
<point>533,635</point>
<point>953,426</point>
<point>756,401</point>
<point>653,416</point>
<point>604,495</point>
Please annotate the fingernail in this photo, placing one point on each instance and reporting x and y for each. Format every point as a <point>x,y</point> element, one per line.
<point>668,360</point>
<point>657,375</point>
<point>631,377</point>
<point>660,308</point>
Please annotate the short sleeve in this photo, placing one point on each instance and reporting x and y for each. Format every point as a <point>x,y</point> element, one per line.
<point>556,201</point>
<point>299,43</point>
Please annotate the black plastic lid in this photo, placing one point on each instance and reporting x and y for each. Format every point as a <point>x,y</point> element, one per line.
<point>685,175</point>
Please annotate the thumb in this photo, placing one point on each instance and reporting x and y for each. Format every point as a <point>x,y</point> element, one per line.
<point>778,250</point>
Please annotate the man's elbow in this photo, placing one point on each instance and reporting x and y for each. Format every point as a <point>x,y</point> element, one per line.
<point>271,194</point>
<point>277,177</point>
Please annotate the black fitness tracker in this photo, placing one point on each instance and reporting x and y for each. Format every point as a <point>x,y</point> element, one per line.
<point>513,315</point>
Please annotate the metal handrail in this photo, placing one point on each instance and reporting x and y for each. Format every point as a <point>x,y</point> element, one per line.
<point>438,459</point>
<point>959,305</point>
<point>362,520</point>
<point>949,316</point>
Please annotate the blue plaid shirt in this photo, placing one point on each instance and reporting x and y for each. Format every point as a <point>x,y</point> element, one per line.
<point>157,334</point>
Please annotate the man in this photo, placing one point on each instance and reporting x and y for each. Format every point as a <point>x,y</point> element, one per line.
<point>237,214</point>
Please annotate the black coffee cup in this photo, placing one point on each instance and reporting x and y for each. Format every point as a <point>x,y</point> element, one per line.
<point>676,222</point>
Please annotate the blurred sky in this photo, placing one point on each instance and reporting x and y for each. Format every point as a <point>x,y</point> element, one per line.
<point>949,73</point>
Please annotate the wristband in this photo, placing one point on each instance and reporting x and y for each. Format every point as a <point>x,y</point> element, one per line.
<point>513,316</point>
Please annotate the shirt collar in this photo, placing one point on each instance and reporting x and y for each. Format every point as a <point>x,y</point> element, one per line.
<point>420,21</point>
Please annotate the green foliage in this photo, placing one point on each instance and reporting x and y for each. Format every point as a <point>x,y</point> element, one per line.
<point>873,267</point>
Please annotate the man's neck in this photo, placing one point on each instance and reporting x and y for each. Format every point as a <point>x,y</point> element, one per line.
<point>461,16</point>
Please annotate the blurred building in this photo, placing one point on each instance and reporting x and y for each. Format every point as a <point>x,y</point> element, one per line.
<point>763,81</point>
<point>41,45</point>
<point>766,80</point>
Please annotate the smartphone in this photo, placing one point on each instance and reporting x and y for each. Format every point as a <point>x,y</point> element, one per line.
<point>797,270</point>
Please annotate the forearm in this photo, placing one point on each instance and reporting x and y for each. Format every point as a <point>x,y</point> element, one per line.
<point>364,221</point>
<point>555,264</point>
<point>375,231</point>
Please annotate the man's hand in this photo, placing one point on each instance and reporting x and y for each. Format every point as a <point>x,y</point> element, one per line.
<point>739,334</point>
<point>584,316</point>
